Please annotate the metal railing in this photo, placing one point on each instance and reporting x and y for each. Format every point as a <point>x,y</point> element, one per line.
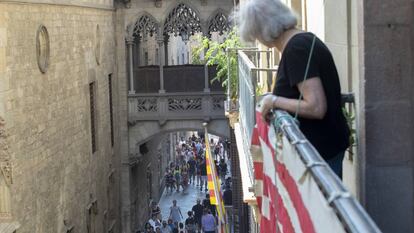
<point>248,76</point>
<point>350,212</point>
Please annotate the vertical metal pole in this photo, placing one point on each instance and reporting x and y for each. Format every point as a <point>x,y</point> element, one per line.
<point>228,78</point>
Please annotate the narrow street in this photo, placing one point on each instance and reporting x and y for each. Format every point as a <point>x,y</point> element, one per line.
<point>185,200</point>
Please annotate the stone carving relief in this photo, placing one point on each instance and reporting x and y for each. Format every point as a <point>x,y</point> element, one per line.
<point>147,105</point>
<point>184,104</point>
<point>127,3</point>
<point>6,171</point>
<point>6,174</point>
<point>219,23</point>
<point>145,26</point>
<point>218,103</point>
<point>42,48</point>
<point>182,21</point>
<point>158,3</point>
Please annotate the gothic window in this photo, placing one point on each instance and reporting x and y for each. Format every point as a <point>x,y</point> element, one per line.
<point>182,21</point>
<point>92,109</point>
<point>146,58</point>
<point>219,23</point>
<point>111,114</point>
<point>145,26</point>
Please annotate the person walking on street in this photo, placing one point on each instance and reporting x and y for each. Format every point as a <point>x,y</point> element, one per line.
<point>208,222</point>
<point>191,169</point>
<point>198,213</point>
<point>155,210</point>
<point>169,180</point>
<point>198,171</point>
<point>154,222</point>
<point>190,223</point>
<point>203,173</point>
<point>222,169</point>
<point>177,177</point>
<point>207,205</point>
<point>175,212</point>
<point>165,228</point>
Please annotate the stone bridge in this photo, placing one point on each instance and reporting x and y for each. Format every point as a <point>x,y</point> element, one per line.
<point>190,100</point>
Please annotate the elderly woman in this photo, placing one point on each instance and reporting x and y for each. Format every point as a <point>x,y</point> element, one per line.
<point>319,92</point>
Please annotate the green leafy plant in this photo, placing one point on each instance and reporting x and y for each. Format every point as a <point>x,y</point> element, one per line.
<point>215,54</point>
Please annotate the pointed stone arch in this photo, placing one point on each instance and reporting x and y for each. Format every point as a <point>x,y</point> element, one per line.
<point>182,19</point>
<point>146,25</point>
<point>218,22</point>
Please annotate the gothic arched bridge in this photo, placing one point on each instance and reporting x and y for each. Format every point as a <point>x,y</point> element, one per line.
<point>189,98</point>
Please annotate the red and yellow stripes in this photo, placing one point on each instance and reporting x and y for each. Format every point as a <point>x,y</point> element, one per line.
<point>214,187</point>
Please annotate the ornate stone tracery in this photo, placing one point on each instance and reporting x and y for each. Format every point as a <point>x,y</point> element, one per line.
<point>145,26</point>
<point>182,21</point>
<point>218,103</point>
<point>6,174</point>
<point>219,23</point>
<point>184,104</point>
<point>147,105</point>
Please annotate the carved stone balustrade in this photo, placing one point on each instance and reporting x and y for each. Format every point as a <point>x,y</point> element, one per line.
<point>176,106</point>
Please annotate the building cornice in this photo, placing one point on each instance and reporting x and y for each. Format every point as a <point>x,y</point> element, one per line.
<point>66,3</point>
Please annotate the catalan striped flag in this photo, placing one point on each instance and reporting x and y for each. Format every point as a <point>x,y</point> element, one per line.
<point>214,187</point>
<point>288,197</point>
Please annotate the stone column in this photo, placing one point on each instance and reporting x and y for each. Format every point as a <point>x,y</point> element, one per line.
<point>166,38</point>
<point>160,41</point>
<point>385,112</point>
<point>130,43</point>
<point>206,84</point>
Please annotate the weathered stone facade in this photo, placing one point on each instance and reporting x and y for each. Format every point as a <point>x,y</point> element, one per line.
<point>56,176</point>
<point>61,170</point>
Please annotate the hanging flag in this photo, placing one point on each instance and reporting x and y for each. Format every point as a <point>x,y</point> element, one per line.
<point>214,187</point>
<point>286,194</point>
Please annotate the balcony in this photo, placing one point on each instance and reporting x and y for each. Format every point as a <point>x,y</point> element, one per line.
<point>293,158</point>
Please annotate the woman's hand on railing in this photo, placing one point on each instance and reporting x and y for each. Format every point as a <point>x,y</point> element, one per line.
<point>266,107</point>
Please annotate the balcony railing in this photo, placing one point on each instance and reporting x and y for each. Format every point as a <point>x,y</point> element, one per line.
<point>179,78</point>
<point>249,78</point>
<point>350,213</point>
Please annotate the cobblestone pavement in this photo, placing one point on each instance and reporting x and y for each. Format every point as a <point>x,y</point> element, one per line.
<point>185,200</point>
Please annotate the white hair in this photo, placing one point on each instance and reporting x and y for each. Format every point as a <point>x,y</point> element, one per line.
<point>264,20</point>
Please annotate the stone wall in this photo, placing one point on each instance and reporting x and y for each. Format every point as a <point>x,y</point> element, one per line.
<point>147,179</point>
<point>56,177</point>
<point>386,115</point>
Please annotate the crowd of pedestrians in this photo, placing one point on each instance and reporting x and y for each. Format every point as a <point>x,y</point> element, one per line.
<point>189,168</point>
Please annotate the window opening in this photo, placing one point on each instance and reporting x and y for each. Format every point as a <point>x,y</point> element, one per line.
<point>92,108</point>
